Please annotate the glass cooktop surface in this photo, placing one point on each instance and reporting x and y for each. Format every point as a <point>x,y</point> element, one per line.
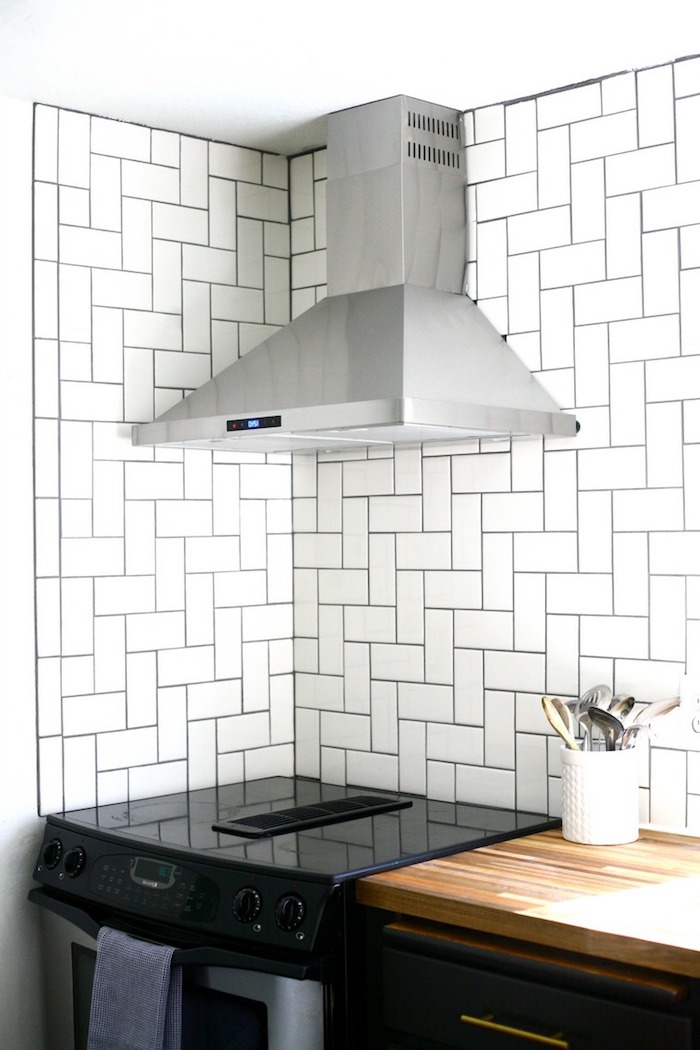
<point>420,829</point>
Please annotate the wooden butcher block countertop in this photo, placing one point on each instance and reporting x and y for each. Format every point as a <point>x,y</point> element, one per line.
<point>637,904</point>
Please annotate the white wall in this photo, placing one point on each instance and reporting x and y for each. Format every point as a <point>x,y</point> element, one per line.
<point>21,1012</point>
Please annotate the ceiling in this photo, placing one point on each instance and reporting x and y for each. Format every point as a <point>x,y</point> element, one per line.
<point>265,73</point>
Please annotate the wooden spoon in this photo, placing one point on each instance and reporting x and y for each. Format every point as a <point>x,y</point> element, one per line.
<point>557,723</point>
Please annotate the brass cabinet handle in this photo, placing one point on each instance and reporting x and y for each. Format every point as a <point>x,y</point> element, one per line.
<point>520,1033</point>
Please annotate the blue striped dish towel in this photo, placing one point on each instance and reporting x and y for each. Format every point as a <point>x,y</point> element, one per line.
<point>136,995</point>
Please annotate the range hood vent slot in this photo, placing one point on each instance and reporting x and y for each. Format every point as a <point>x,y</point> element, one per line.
<point>396,352</point>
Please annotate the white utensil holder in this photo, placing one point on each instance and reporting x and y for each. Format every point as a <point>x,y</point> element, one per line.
<point>600,796</point>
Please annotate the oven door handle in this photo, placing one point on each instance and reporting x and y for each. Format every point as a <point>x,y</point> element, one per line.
<point>199,956</point>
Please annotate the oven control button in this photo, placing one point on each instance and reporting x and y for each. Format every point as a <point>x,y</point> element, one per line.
<point>74,862</point>
<point>53,851</point>
<point>289,912</point>
<point>247,904</point>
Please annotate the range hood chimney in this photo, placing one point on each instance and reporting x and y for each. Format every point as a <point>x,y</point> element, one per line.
<point>396,352</point>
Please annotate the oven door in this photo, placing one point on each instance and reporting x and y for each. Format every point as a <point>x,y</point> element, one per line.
<point>232,1000</point>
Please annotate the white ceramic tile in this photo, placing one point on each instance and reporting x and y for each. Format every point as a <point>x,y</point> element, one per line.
<point>182,666</point>
<point>45,300</point>
<point>601,136</point>
<point>553,170</point>
<point>671,206</point>
<point>77,675</point>
<point>523,288</point>
<point>521,137</point>
<point>74,303</point>
<point>640,170</point>
<point>105,194</point>
<point>672,380</point>
<point>556,325</point>
<point>139,537</point>
<point>382,571</point>
<point>514,671</point>
<point>507,196</point>
<point>167,276</point>
<point>79,772</point>
<point>664,445</point>
<point>619,92</point>
<point>687,76</point>
<point>566,106</point>
<point>617,636</point>
<point>73,148</point>
<point>643,511</point>
<point>343,586</point>
<point>174,222</point>
<point>249,240</point>
<point>46,535</point>
<point>660,272</point>
<point>317,550</point>
<point>355,552</point>
<point>608,300</point>
<point>439,646</point>
<point>484,629</point>
<point>46,221</point>
<point>674,553</point>
<point>547,228</point>
<point>423,550</point>
<point>241,304</point>
<point>667,618</point>
<point>412,767</point>
<point>531,780</point>
<point>149,781</point>
<point>46,143</point>
<point>691,458</point>
<point>122,289</point>
<point>357,684</point>
<point>486,161</point>
<point>655,105</point>
<point>545,552</point>
<point>141,689</point>
<point>492,254</point>
<point>481,473</point>
<point>690,311</point>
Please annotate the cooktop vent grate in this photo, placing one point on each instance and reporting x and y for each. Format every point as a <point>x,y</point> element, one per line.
<point>283,821</point>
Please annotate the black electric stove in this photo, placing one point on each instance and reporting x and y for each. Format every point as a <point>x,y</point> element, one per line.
<point>223,862</point>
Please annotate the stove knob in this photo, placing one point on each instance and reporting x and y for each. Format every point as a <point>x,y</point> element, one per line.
<point>74,862</point>
<point>52,853</point>
<point>289,912</point>
<point>247,904</point>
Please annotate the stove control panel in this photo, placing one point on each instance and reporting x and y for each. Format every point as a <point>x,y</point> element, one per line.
<point>183,891</point>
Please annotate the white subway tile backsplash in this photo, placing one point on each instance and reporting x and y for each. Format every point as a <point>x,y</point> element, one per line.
<point>438,540</point>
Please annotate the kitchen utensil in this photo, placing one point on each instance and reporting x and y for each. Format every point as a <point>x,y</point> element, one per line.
<point>565,714</point>
<point>657,708</point>
<point>558,724</point>
<point>596,696</point>
<point>610,726</point>
<point>630,734</point>
<point>621,705</point>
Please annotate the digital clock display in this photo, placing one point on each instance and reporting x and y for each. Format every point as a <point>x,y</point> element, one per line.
<point>153,873</point>
<point>253,423</point>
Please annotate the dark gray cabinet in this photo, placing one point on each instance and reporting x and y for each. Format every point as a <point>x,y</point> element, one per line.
<point>441,993</point>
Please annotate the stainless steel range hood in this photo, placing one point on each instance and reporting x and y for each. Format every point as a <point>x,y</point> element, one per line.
<point>396,352</point>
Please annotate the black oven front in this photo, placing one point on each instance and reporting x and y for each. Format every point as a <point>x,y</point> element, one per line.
<point>253,885</point>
